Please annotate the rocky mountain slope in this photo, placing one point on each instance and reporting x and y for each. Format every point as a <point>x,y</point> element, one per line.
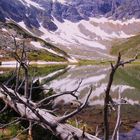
<point>36,48</point>
<point>84,29</point>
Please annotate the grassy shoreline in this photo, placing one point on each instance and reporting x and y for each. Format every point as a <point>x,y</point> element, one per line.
<point>39,63</point>
<point>103,62</point>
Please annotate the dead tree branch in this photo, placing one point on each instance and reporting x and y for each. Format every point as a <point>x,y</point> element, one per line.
<point>52,97</point>
<point>43,117</point>
<point>3,109</point>
<point>118,122</point>
<point>64,118</point>
<point>108,98</point>
<point>10,123</point>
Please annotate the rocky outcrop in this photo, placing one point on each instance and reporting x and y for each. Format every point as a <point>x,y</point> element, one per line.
<point>37,12</point>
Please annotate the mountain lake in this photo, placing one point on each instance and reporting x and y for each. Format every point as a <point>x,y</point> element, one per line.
<point>67,78</point>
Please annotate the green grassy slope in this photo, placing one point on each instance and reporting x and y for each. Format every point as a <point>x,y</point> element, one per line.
<point>128,48</point>
<point>44,56</point>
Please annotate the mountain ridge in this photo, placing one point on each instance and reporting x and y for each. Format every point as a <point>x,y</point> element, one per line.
<point>37,48</point>
<point>78,27</point>
<point>33,12</point>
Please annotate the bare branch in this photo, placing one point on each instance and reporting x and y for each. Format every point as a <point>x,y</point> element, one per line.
<point>17,77</point>
<point>64,118</point>
<point>84,130</point>
<point>129,61</point>
<point>28,104</point>
<point>43,117</point>
<point>97,132</point>
<point>118,122</point>
<point>10,123</point>
<point>107,92</point>
<point>3,109</point>
<point>15,43</point>
<point>47,99</point>
<point>21,84</point>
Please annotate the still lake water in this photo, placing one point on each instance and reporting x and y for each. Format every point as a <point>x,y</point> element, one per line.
<point>126,81</point>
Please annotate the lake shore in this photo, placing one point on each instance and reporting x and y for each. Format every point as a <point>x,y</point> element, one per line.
<point>13,64</point>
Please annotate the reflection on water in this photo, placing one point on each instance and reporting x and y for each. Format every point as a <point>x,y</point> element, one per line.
<point>97,76</point>
<point>127,81</point>
<point>134,134</point>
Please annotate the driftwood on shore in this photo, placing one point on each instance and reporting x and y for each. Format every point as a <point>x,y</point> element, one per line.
<point>57,125</point>
<point>31,111</point>
<point>34,113</point>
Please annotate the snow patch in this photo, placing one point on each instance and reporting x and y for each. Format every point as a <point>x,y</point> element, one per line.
<point>3,29</point>
<point>31,3</point>
<point>121,88</point>
<point>17,38</point>
<point>22,24</point>
<point>90,33</point>
<point>38,45</point>
<point>116,22</point>
<point>49,75</point>
<point>9,64</point>
<point>72,60</point>
<point>45,63</point>
<point>68,33</point>
<point>93,79</point>
<point>68,84</point>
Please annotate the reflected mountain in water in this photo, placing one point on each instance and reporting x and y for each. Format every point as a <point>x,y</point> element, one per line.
<point>96,76</point>
<point>126,81</point>
<point>134,134</point>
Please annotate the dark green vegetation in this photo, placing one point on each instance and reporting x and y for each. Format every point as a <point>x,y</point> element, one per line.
<point>33,71</point>
<point>38,133</point>
<point>45,56</point>
<point>128,48</point>
<point>45,70</point>
<point>94,62</point>
<point>129,75</point>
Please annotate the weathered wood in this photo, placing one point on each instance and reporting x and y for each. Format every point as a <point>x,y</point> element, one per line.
<point>27,109</point>
<point>115,135</point>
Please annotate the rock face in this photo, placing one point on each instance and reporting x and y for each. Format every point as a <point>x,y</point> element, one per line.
<point>127,10</point>
<point>81,28</point>
<point>37,12</point>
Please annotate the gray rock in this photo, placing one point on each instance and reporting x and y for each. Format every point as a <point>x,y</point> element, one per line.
<point>73,10</point>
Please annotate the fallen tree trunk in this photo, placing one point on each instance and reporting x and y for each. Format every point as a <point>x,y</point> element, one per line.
<point>28,110</point>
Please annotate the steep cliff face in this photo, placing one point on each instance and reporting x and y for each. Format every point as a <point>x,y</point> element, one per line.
<point>76,25</point>
<point>127,10</point>
<point>42,11</point>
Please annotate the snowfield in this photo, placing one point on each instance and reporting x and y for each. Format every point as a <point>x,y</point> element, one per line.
<point>39,46</point>
<point>90,38</point>
<point>93,33</point>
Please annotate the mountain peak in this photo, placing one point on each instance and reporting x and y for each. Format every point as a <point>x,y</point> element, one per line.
<point>90,23</point>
